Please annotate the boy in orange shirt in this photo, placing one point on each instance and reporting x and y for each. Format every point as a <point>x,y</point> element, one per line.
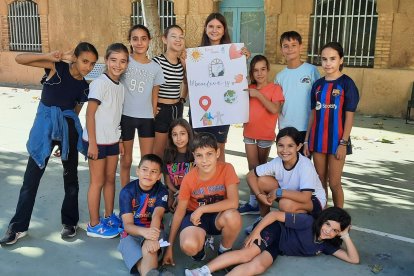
<point>207,203</point>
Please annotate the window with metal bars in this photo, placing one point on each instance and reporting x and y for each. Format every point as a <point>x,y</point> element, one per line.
<point>165,11</point>
<point>24,26</point>
<point>353,23</point>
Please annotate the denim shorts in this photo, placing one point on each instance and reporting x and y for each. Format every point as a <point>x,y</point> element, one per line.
<point>208,223</point>
<point>103,150</point>
<point>264,144</point>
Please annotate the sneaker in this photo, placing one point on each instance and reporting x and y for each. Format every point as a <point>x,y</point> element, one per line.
<point>197,272</point>
<point>248,209</point>
<point>68,231</point>
<point>153,272</point>
<point>11,237</point>
<point>101,230</point>
<point>249,228</point>
<point>112,221</point>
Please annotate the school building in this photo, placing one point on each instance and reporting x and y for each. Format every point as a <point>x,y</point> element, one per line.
<point>377,35</point>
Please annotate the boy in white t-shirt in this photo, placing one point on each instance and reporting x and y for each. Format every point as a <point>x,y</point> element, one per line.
<point>290,179</point>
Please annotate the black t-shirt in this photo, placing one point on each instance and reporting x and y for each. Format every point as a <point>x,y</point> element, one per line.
<point>62,89</point>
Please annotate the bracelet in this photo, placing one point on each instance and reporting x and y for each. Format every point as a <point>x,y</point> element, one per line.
<point>305,142</point>
<point>345,236</point>
<point>258,194</point>
<point>343,142</point>
<point>183,100</point>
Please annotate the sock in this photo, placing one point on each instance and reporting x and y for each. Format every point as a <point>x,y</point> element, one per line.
<point>222,249</point>
<point>253,201</point>
<point>205,270</point>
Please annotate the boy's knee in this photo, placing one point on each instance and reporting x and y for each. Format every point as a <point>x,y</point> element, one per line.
<point>232,218</point>
<point>189,247</point>
<point>267,183</point>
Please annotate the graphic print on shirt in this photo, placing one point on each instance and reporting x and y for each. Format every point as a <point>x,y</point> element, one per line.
<point>140,211</point>
<point>210,194</point>
<point>177,171</point>
<point>138,78</point>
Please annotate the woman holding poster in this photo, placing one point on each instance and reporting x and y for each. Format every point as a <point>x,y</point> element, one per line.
<point>216,33</point>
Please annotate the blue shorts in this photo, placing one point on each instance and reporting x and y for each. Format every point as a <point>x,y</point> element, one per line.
<point>270,238</point>
<point>103,150</point>
<point>220,132</point>
<point>208,223</point>
<point>144,126</point>
<point>264,144</point>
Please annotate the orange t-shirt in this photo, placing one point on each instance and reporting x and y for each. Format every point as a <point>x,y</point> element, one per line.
<point>262,123</point>
<point>199,192</point>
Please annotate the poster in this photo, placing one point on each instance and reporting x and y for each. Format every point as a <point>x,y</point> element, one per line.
<point>217,77</point>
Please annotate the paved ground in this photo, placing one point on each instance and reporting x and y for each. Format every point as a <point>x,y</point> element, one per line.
<point>379,194</point>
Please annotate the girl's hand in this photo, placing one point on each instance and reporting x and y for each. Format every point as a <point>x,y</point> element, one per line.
<point>151,233</point>
<point>196,215</point>
<point>255,235</point>
<point>345,232</point>
<point>168,257</point>
<point>340,152</point>
<point>57,153</point>
<point>93,151</point>
<point>245,52</point>
<point>306,151</point>
<point>263,198</point>
<point>121,148</point>
<point>253,93</point>
<point>55,56</point>
<point>68,56</point>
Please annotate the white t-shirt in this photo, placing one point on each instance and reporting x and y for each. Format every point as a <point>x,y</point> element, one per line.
<point>302,177</point>
<point>110,97</point>
<point>139,79</point>
<point>296,85</point>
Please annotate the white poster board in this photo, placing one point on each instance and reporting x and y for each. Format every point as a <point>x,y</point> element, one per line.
<point>217,77</point>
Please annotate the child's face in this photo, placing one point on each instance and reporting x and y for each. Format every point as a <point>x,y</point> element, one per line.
<point>331,61</point>
<point>291,49</point>
<point>215,31</point>
<point>180,138</point>
<point>287,150</point>
<point>206,159</point>
<point>329,230</point>
<point>116,64</point>
<point>174,40</point>
<point>148,174</point>
<point>260,71</point>
<point>139,41</point>
<point>85,62</point>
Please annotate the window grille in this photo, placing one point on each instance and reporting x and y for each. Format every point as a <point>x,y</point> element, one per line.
<point>353,23</point>
<point>165,11</point>
<point>24,26</point>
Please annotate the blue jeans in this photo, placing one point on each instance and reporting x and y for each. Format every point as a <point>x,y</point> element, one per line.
<point>70,210</point>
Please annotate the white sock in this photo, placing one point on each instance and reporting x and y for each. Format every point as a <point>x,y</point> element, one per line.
<point>253,201</point>
<point>223,249</point>
<point>205,270</point>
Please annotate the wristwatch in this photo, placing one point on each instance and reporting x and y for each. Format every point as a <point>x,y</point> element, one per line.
<point>279,193</point>
<point>343,142</point>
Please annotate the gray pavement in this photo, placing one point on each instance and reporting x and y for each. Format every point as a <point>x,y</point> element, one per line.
<point>379,193</point>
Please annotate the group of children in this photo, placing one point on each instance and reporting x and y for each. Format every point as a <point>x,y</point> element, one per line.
<point>315,116</point>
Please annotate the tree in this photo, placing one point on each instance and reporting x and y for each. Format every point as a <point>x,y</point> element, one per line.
<point>152,21</point>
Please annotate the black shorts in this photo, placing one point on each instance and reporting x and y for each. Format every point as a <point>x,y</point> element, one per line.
<point>220,132</point>
<point>208,223</point>
<point>270,239</point>
<point>145,127</point>
<point>166,114</point>
<point>103,150</point>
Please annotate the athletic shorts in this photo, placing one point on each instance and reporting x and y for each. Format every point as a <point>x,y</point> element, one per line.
<point>131,250</point>
<point>264,144</point>
<point>145,127</point>
<point>166,114</point>
<point>270,238</point>
<point>103,150</point>
<point>208,223</point>
<point>220,132</point>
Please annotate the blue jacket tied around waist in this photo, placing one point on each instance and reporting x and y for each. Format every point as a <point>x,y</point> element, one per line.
<point>50,125</point>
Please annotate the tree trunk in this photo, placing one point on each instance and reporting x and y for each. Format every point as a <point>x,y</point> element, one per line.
<point>152,21</point>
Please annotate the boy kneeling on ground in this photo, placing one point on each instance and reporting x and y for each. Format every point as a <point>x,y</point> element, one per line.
<point>142,204</point>
<point>207,203</point>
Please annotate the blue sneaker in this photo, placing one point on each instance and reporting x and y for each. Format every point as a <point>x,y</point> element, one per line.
<point>248,209</point>
<point>101,230</point>
<point>112,221</point>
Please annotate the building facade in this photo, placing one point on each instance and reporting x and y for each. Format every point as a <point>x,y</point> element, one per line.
<point>378,36</point>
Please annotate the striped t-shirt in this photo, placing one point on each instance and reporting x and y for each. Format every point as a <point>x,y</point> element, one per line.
<point>173,75</point>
